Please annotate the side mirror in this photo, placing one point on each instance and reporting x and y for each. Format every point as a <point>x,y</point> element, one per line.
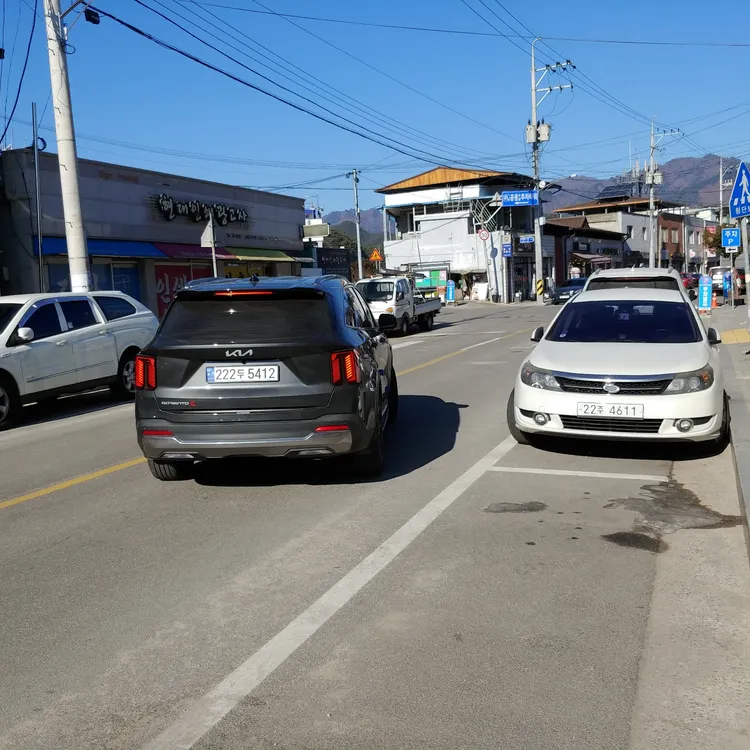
<point>537,334</point>
<point>713,336</point>
<point>387,322</point>
<point>25,335</point>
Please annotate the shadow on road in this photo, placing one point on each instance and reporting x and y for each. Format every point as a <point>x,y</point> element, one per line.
<point>426,429</point>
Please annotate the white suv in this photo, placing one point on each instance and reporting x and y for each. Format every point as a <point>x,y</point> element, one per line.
<point>51,344</point>
<point>636,278</point>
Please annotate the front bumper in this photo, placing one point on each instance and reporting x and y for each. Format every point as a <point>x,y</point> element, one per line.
<point>660,415</point>
<point>297,439</point>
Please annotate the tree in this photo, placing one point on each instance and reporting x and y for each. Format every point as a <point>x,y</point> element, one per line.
<point>712,241</point>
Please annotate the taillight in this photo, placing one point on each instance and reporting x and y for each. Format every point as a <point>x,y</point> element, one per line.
<point>345,367</point>
<point>145,373</point>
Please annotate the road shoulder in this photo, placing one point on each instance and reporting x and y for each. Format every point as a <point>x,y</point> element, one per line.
<point>695,669</point>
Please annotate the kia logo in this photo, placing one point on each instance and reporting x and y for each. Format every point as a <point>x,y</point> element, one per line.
<point>611,388</point>
<point>239,352</point>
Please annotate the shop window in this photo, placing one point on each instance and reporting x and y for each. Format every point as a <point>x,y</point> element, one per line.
<point>675,237</point>
<point>629,229</point>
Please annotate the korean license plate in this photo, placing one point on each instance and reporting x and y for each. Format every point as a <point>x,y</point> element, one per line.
<point>242,374</point>
<point>610,411</point>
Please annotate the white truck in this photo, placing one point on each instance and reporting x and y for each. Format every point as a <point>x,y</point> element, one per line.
<point>396,295</point>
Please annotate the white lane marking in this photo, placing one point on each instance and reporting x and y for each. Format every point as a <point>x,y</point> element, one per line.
<point>402,344</point>
<point>218,702</point>
<point>481,343</point>
<point>592,474</point>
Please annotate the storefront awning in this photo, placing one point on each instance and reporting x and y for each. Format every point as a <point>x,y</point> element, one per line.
<point>263,256</point>
<point>106,248</point>
<point>196,252</point>
<point>592,258</point>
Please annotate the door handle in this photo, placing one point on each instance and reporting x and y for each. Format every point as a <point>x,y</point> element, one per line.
<point>106,332</point>
<point>61,343</point>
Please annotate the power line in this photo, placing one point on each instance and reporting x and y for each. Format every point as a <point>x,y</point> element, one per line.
<point>463,32</point>
<point>21,80</point>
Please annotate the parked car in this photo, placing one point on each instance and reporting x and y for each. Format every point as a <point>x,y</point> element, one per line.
<point>563,292</point>
<point>690,280</point>
<point>622,364</point>
<point>54,344</point>
<point>637,278</point>
<point>279,367</point>
<point>395,295</point>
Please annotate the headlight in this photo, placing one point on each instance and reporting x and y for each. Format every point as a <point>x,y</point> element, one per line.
<point>389,310</point>
<point>537,378</point>
<point>692,382</point>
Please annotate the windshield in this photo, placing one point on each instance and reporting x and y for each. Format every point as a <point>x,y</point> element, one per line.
<point>626,322</point>
<point>7,313</point>
<point>376,291</point>
<point>572,284</point>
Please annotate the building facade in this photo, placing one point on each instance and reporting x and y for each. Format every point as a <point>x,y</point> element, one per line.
<point>143,228</point>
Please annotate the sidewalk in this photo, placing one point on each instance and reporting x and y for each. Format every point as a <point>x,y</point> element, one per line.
<point>732,324</point>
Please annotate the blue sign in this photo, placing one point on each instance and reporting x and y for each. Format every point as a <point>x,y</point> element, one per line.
<point>727,279</point>
<point>739,201</point>
<point>527,239</point>
<point>507,250</point>
<point>518,198</point>
<point>704,292</point>
<point>450,291</point>
<point>730,237</point>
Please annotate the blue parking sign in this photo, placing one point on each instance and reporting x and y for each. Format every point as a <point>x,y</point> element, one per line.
<point>704,292</point>
<point>730,237</point>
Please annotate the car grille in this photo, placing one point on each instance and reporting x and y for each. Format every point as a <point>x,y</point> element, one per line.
<point>627,387</point>
<point>602,424</point>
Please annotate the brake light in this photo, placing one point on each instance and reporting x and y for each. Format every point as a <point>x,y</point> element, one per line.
<point>345,367</point>
<point>332,428</point>
<point>241,294</point>
<point>145,373</point>
<point>157,433</point>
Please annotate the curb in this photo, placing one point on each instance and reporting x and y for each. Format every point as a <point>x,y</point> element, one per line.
<point>739,410</point>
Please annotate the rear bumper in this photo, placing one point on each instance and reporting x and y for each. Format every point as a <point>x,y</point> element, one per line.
<point>298,439</point>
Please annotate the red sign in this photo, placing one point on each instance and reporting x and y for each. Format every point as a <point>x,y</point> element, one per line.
<point>711,230</point>
<point>169,281</point>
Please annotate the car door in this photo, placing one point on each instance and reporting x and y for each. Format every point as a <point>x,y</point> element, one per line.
<point>94,347</point>
<point>47,362</point>
<point>402,299</point>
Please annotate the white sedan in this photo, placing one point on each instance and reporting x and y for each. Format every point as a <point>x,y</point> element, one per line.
<point>622,364</point>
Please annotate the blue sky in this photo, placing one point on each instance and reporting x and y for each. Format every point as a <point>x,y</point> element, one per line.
<point>465,98</point>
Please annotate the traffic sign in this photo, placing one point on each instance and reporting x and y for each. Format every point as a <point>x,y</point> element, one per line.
<point>507,250</point>
<point>484,235</point>
<point>739,201</point>
<point>526,239</point>
<point>731,237</point>
<point>450,291</point>
<point>704,292</point>
<point>519,198</point>
<point>375,256</point>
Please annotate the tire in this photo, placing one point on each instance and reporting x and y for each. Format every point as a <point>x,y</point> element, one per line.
<point>368,464</point>
<point>172,471</point>
<point>10,403</point>
<point>123,388</point>
<point>393,399</point>
<point>722,441</point>
<point>426,322</point>
<point>520,437</point>
<point>403,329</point>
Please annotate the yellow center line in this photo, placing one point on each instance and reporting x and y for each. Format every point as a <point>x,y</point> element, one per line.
<point>68,483</point>
<point>71,482</point>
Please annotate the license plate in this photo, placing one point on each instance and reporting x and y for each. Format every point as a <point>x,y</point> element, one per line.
<point>243,374</point>
<point>611,411</point>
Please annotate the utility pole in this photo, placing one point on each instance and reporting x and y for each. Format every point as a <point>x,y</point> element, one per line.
<point>536,133</point>
<point>721,190</point>
<point>355,180</point>
<point>653,178</point>
<point>75,235</point>
<point>38,190</point>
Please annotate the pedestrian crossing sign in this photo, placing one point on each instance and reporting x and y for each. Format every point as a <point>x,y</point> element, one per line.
<point>375,256</point>
<point>739,202</point>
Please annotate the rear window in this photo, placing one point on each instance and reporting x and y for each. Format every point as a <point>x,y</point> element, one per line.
<point>660,282</point>
<point>626,322</point>
<point>115,308</point>
<point>247,321</point>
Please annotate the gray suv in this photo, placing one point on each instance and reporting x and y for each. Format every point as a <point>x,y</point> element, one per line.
<point>277,367</point>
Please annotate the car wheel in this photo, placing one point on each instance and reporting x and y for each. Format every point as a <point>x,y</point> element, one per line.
<point>721,442</point>
<point>404,327</point>
<point>520,437</point>
<point>368,463</point>
<point>172,471</point>
<point>124,387</point>
<point>393,399</point>
<point>426,323</point>
<point>10,403</point>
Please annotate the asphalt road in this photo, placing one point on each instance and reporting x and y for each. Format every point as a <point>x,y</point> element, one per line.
<point>481,595</point>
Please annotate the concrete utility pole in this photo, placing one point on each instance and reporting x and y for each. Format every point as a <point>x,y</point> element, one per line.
<point>75,235</point>
<point>537,133</point>
<point>355,180</point>
<point>653,178</point>
<point>38,191</point>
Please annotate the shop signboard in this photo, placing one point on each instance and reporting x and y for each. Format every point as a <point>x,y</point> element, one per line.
<point>171,278</point>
